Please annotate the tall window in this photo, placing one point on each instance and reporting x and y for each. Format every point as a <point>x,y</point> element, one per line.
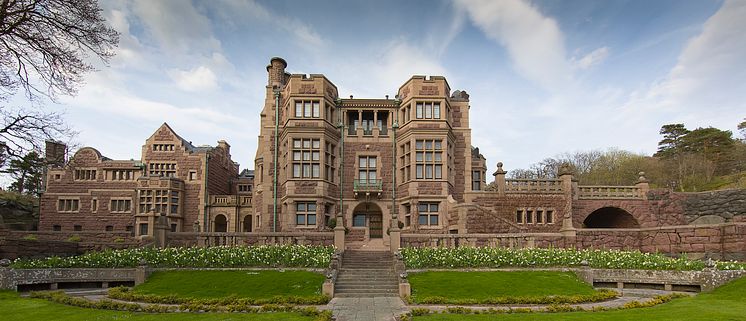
<point>427,110</point>
<point>68,205</point>
<point>162,169</point>
<point>407,215</point>
<point>121,206</point>
<point>405,162</point>
<point>329,162</point>
<point>476,180</point>
<point>163,147</point>
<point>367,169</point>
<point>244,188</point>
<point>428,214</point>
<point>306,158</point>
<point>307,109</point>
<point>429,159</point>
<point>120,174</point>
<point>305,213</point>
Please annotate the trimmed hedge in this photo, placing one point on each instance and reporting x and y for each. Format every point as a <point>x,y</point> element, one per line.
<point>598,296</point>
<point>125,294</point>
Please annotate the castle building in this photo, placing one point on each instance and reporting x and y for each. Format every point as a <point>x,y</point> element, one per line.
<point>402,166</point>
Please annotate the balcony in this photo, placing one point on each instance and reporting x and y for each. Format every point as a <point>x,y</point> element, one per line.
<point>367,187</point>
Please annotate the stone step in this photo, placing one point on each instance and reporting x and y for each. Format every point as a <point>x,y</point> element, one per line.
<point>367,285</point>
<point>365,295</point>
<point>358,275</point>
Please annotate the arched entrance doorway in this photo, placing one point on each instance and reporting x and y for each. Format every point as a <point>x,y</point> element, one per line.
<point>221,223</point>
<point>610,217</point>
<point>247,220</point>
<point>369,214</point>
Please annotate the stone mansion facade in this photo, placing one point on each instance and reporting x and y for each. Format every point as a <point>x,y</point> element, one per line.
<point>373,166</point>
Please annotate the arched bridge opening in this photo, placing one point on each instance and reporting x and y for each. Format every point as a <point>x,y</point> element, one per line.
<point>610,217</point>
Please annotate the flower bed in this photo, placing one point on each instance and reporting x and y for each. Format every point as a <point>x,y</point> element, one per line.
<point>484,257</point>
<point>197,257</point>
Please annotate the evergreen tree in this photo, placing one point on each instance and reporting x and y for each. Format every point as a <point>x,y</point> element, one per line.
<point>27,173</point>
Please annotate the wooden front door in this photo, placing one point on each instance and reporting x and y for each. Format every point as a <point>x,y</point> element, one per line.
<point>375,226</point>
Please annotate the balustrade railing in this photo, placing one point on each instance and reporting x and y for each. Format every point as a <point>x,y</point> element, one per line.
<point>533,185</point>
<point>606,192</point>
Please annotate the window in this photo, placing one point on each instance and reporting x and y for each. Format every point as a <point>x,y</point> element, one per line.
<point>306,158</point>
<point>158,201</point>
<point>476,180</point>
<point>367,170</point>
<point>192,175</point>
<point>77,228</point>
<point>405,162</point>
<point>57,228</point>
<point>534,216</point>
<point>120,175</point>
<point>539,217</point>
<point>305,213</point>
<point>427,110</point>
<point>163,147</point>
<point>57,177</point>
<point>519,216</point>
<point>162,169</point>
<point>173,227</point>
<point>327,214</point>
<point>549,217</point>
<point>121,206</point>
<point>85,174</point>
<point>428,214</point>
<point>529,217</point>
<point>307,109</point>
<point>144,229</point>
<point>329,161</point>
<point>68,205</point>
<point>358,220</point>
<point>109,228</point>
<point>429,159</point>
<point>94,205</point>
<point>244,188</point>
<point>405,113</point>
<point>407,215</point>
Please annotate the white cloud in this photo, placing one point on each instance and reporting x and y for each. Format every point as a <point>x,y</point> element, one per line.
<point>177,26</point>
<point>534,42</point>
<point>197,79</point>
<point>593,58</point>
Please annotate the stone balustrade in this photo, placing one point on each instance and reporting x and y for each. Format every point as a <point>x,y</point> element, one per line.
<point>610,192</point>
<point>256,238</point>
<point>550,186</point>
<point>472,240</point>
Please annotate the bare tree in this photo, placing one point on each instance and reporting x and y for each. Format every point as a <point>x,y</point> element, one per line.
<point>44,44</point>
<point>24,131</point>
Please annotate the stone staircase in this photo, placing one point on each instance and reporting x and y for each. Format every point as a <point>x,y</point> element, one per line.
<point>366,274</point>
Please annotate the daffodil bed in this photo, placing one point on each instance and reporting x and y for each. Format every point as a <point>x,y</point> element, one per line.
<point>484,257</point>
<point>195,257</point>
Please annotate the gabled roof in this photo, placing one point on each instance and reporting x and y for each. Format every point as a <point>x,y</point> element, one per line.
<point>187,144</point>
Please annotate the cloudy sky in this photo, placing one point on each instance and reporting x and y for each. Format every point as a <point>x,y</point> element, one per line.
<point>545,76</point>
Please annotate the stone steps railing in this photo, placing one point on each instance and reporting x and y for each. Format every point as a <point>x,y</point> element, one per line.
<point>610,192</point>
<point>533,185</point>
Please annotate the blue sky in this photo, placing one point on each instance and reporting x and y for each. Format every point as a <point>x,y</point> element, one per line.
<point>545,77</point>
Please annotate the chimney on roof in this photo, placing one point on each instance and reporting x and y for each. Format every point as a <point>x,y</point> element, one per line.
<point>276,72</point>
<point>54,153</point>
<point>224,145</point>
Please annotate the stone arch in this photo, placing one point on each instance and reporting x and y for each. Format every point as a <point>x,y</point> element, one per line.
<point>220,224</point>
<point>610,217</point>
<point>369,213</point>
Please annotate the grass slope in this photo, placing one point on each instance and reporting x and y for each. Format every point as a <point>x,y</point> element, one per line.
<point>484,285</point>
<point>726,303</point>
<point>242,284</point>
<point>15,308</point>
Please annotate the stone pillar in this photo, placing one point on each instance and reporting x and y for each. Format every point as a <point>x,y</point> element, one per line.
<point>160,231</point>
<point>141,272</point>
<point>395,238</point>
<point>500,179</point>
<point>7,281</point>
<point>328,288</point>
<point>643,185</point>
<point>339,235</point>
<point>568,189</point>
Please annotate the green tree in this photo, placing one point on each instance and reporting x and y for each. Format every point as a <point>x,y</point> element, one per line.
<point>27,173</point>
<point>742,129</point>
<point>671,144</point>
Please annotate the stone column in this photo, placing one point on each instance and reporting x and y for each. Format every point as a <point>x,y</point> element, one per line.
<point>160,232</point>
<point>643,185</point>
<point>141,272</point>
<point>500,179</point>
<point>565,175</point>
<point>7,281</point>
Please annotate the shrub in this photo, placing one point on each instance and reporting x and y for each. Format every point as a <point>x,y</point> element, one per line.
<point>118,240</point>
<point>30,237</point>
<point>74,238</point>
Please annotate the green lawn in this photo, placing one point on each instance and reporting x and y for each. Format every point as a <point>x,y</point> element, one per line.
<point>242,284</point>
<point>725,303</point>
<point>485,285</point>
<point>15,308</point>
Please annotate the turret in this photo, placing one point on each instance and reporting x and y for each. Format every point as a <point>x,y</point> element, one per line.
<point>276,72</point>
